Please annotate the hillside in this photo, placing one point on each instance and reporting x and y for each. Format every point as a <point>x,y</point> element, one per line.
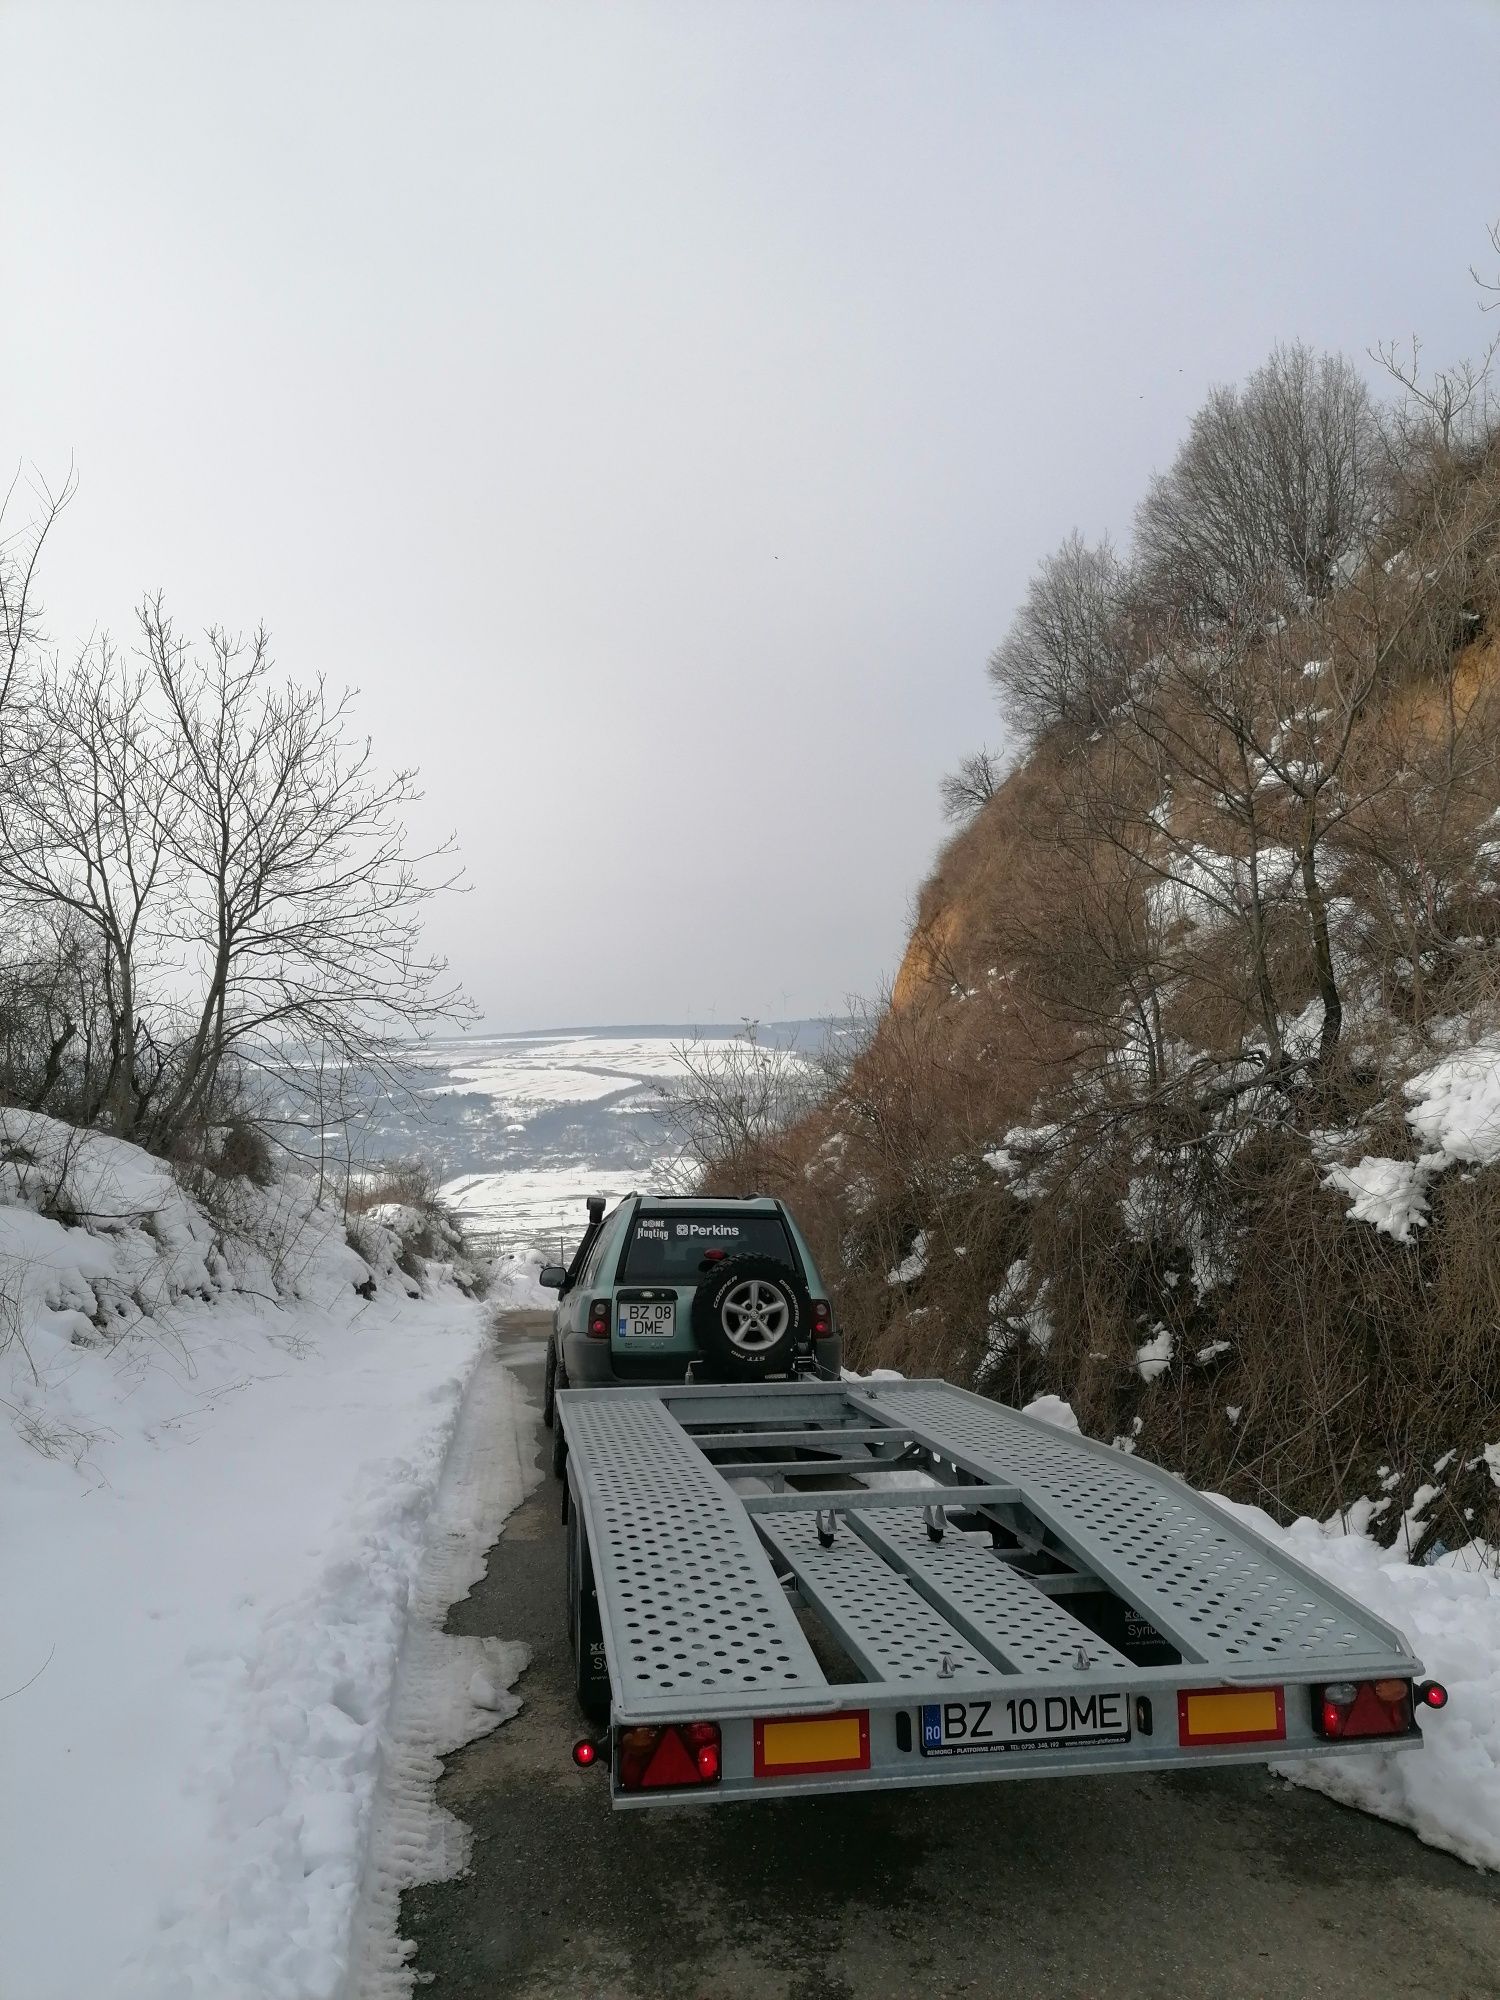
<point>1185,1105</point>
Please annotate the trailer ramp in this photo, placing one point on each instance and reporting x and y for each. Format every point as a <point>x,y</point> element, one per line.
<point>919,1556</point>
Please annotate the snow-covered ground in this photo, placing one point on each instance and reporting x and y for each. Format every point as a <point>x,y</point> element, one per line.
<point>218,1471</point>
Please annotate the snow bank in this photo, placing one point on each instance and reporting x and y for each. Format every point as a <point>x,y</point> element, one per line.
<point>216,1480</point>
<point>514,1285</point>
<point>1448,1792</point>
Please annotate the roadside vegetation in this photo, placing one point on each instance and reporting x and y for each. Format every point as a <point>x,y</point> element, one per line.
<point>1186,1103</point>
<point>210,920</point>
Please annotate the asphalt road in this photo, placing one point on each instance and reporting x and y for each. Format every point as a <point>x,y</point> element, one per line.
<point>1227,1884</point>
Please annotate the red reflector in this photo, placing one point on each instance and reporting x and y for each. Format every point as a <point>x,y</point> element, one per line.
<point>584,1754</point>
<point>1345,1712</point>
<point>671,1763</point>
<point>1432,1694</point>
<point>686,1753</point>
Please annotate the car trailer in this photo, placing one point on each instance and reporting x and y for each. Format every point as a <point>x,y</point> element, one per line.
<point>810,1586</point>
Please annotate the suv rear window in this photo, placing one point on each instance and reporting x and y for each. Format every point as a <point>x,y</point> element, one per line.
<point>670,1249</point>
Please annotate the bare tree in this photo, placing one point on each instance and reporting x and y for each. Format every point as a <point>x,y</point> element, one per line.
<point>1272,495</point>
<point>731,1105</point>
<point>1442,409</point>
<point>1063,659</point>
<point>84,837</point>
<point>20,553</point>
<point>300,905</point>
<point>970,788</point>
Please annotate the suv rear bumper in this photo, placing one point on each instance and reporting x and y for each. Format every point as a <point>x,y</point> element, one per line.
<point>589,1364</point>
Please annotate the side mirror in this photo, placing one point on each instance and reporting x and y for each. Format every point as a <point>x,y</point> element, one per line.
<point>552,1276</point>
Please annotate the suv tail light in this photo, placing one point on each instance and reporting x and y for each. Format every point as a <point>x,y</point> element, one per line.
<point>680,1753</point>
<point>822,1319</point>
<point>1344,1711</point>
<point>598,1319</point>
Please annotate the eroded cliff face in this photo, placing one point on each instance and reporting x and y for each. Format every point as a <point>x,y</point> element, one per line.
<point>1069,1159</point>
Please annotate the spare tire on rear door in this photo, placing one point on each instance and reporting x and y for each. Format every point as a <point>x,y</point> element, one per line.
<point>748,1319</point>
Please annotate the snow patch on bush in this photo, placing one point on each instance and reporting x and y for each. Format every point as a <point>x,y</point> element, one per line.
<point>1390,1194</point>
<point>1052,1410</point>
<point>1455,1106</point>
<point>912,1265</point>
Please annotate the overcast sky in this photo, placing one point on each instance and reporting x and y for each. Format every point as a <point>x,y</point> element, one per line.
<point>656,410</point>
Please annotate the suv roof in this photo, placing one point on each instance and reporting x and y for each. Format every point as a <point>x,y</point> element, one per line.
<point>711,1202</point>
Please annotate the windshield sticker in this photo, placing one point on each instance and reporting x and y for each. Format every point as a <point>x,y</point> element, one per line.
<point>708,1229</point>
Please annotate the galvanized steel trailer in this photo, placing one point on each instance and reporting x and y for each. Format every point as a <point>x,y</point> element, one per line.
<point>815,1586</point>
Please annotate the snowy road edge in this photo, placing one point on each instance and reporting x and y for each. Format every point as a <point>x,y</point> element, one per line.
<point>450,1689</point>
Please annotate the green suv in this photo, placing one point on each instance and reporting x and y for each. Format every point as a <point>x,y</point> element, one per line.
<point>663,1288</point>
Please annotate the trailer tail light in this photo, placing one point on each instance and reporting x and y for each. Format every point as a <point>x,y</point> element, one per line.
<point>679,1753</point>
<point>598,1319</point>
<point>1349,1711</point>
<point>1231,1715</point>
<point>822,1319</point>
<point>1431,1694</point>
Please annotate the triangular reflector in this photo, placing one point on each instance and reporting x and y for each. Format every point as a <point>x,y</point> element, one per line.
<point>671,1763</point>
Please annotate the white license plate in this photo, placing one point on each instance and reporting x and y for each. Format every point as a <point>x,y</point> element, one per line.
<point>656,1320</point>
<point>1024,1722</point>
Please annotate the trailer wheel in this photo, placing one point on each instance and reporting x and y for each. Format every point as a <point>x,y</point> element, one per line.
<point>585,1631</point>
<point>748,1317</point>
<point>549,1385</point>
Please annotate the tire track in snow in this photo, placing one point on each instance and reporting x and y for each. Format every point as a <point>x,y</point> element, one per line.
<point>450,1688</point>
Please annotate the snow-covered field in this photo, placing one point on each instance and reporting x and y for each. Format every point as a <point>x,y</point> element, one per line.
<point>218,1472</point>
<point>542,1206</point>
<point>526,1125</point>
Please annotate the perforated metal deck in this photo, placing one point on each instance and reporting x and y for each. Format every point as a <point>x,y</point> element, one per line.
<point>1222,1595</point>
<point>928,1591</point>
